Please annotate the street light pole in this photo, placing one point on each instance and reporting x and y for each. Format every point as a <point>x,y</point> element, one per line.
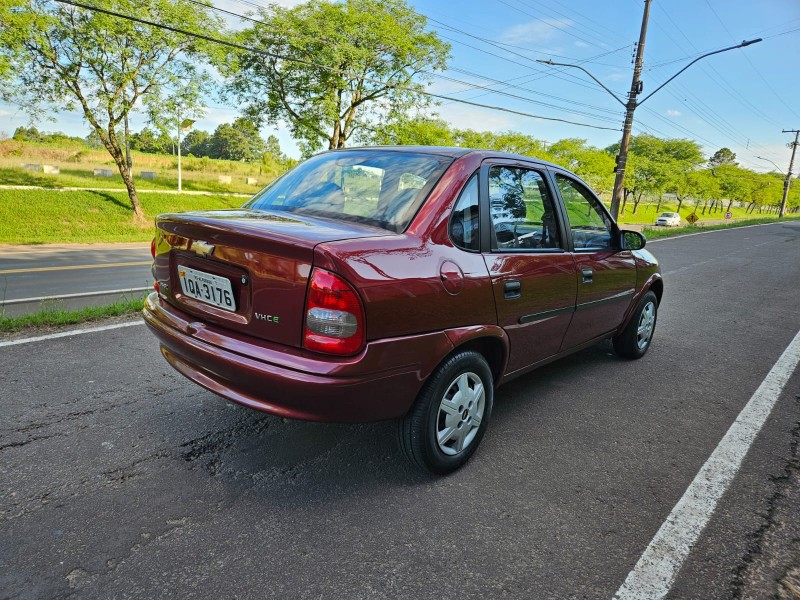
<point>183,125</point>
<point>630,107</point>
<point>632,103</point>
<point>788,181</point>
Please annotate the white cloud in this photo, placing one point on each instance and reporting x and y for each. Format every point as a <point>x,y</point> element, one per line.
<point>534,31</point>
<point>674,113</point>
<point>237,7</point>
<point>580,44</point>
<point>461,116</point>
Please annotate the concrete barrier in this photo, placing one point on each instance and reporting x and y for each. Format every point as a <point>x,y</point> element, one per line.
<point>148,174</point>
<point>103,173</point>
<point>51,169</point>
<point>251,181</point>
<point>224,178</point>
<point>32,167</point>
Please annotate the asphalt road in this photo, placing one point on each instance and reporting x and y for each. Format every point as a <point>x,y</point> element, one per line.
<point>120,479</point>
<point>33,272</point>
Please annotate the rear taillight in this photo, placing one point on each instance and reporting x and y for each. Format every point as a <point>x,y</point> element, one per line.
<point>153,248</point>
<point>334,315</point>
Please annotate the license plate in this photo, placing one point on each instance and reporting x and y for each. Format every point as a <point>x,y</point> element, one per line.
<point>208,288</point>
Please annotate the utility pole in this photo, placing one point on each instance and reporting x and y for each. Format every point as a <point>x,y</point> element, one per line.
<point>633,103</point>
<point>788,181</point>
<point>630,107</point>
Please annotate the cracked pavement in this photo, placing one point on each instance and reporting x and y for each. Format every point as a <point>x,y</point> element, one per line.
<point>121,479</point>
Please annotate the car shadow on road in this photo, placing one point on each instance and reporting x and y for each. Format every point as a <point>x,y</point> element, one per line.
<point>287,460</point>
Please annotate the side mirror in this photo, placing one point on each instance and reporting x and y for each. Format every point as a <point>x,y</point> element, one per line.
<point>632,240</point>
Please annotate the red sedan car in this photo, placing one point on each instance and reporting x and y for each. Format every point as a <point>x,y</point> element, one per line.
<point>398,283</point>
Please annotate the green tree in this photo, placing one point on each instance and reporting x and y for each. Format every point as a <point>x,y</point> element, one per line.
<point>415,131</point>
<point>723,156</point>
<point>735,183</point>
<point>152,142</point>
<point>359,60</point>
<point>766,189</point>
<point>238,141</point>
<point>56,55</point>
<point>655,165</point>
<point>27,134</point>
<point>196,143</point>
<point>595,166</point>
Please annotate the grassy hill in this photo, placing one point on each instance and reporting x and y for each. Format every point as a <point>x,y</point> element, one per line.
<point>50,216</point>
<point>77,163</point>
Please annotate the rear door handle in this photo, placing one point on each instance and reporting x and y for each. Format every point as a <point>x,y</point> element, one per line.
<point>512,289</point>
<point>588,275</point>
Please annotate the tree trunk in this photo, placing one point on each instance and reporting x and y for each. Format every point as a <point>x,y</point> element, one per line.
<point>680,203</point>
<point>112,144</point>
<point>636,201</point>
<point>660,200</point>
<point>334,139</point>
<point>115,150</point>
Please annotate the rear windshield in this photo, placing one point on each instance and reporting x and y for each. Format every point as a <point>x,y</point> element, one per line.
<point>378,187</point>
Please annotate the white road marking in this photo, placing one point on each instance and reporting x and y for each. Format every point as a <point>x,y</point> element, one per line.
<point>78,295</point>
<point>657,568</point>
<point>52,336</point>
<point>685,235</point>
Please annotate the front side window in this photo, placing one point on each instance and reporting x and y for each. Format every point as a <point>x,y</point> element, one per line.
<point>383,188</point>
<point>589,224</point>
<point>522,210</point>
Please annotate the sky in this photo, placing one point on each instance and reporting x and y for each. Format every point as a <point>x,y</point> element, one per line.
<point>740,99</point>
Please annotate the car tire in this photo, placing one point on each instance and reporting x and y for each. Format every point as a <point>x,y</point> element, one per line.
<point>637,336</point>
<point>447,422</point>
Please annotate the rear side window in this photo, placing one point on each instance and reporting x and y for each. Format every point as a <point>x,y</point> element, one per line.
<point>464,222</point>
<point>522,210</point>
<point>589,224</point>
<point>383,188</point>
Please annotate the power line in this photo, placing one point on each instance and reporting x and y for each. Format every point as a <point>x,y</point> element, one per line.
<point>319,66</point>
<point>470,86</point>
<point>750,62</point>
<point>545,22</point>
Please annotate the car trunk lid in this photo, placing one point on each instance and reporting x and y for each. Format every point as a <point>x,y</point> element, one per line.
<point>245,270</point>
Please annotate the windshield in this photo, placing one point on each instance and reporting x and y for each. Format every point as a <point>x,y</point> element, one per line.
<point>378,187</point>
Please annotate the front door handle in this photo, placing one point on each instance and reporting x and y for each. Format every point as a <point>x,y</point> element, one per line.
<point>588,274</point>
<point>512,289</point>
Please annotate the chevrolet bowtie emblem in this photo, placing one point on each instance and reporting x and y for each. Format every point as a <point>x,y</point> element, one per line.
<point>202,248</point>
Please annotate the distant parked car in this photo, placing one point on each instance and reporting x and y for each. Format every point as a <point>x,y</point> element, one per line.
<point>398,283</point>
<point>669,219</point>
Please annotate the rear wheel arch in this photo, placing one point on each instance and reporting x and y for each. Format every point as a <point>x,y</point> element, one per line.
<point>491,348</point>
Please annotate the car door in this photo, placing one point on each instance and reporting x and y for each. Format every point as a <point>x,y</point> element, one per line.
<point>532,271</point>
<point>605,274</point>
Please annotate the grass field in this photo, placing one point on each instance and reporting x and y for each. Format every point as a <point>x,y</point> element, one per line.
<point>652,233</point>
<point>55,316</point>
<point>647,213</point>
<point>77,164</point>
<point>47,216</point>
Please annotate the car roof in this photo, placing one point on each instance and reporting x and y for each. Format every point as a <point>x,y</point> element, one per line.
<point>455,152</point>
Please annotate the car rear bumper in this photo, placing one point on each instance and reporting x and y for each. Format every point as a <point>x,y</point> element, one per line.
<point>380,383</point>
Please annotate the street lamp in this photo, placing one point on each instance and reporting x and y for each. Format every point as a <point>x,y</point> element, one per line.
<point>776,166</point>
<point>632,103</point>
